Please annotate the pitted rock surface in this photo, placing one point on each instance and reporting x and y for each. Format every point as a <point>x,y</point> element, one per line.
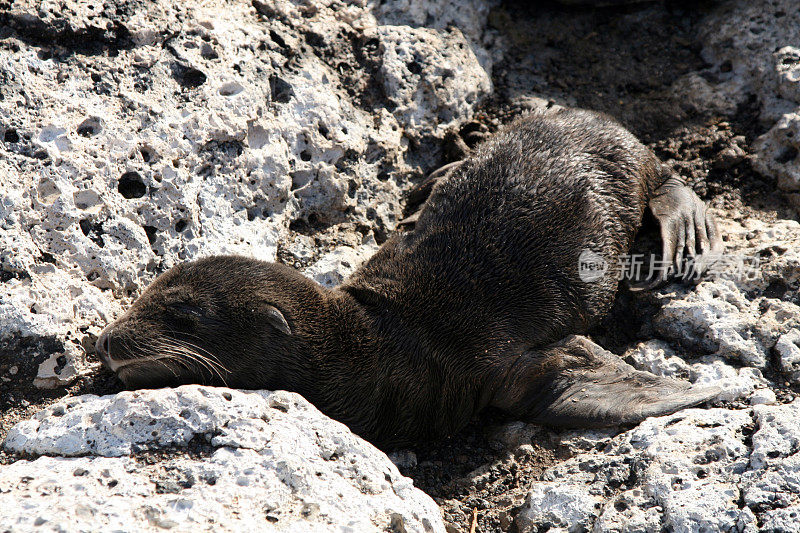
<point>271,462</point>
<point>135,135</point>
<point>181,130</point>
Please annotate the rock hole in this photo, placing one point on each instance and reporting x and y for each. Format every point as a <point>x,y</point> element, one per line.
<point>786,155</point>
<point>6,275</point>
<point>131,185</point>
<point>188,76</point>
<point>776,289</point>
<point>281,91</point>
<point>86,199</point>
<point>48,191</point>
<point>227,396</point>
<point>305,155</point>
<point>208,52</point>
<point>621,506</point>
<point>300,179</point>
<point>181,225</point>
<point>92,230</point>
<point>90,127</point>
<point>150,231</point>
<point>11,136</point>
<point>149,155</point>
<point>277,39</point>
<point>230,88</point>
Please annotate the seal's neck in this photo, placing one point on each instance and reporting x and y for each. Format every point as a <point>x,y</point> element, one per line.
<point>327,348</point>
<point>354,360</point>
<point>335,360</point>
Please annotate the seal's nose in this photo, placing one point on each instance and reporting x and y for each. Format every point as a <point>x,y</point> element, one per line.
<point>103,345</point>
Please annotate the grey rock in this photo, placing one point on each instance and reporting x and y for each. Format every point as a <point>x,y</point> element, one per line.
<point>777,154</point>
<point>757,42</point>
<point>269,461</point>
<point>332,268</point>
<point>763,397</point>
<point>433,77</point>
<point>788,349</point>
<point>713,469</point>
<point>728,315</point>
<point>558,506</point>
<point>683,472</point>
<point>206,131</point>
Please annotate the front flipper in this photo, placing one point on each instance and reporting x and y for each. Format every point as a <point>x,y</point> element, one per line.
<point>576,383</point>
<point>420,193</point>
<point>686,225</point>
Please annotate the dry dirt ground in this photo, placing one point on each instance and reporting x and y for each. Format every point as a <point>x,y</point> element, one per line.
<point>619,60</point>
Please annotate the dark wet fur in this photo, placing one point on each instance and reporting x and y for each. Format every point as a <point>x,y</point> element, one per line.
<point>474,307</point>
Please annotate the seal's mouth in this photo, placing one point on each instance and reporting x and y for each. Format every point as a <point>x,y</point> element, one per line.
<point>120,358</point>
<point>117,364</point>
<point>158,359</point>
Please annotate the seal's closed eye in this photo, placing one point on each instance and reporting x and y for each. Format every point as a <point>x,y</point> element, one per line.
<point>184,311</point>
<point>188,309</point>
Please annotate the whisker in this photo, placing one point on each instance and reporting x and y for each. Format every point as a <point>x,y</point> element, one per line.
<point>198,355</point>
<point>169,350</point>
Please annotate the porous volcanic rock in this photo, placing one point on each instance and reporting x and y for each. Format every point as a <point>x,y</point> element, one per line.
<point>196,458</point>
<point>135,135</point>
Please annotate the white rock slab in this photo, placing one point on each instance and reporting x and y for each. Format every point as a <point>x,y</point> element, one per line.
<point>269,461</point>
<point>696,470</point>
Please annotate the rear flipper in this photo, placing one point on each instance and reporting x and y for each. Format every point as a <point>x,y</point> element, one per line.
<point>576,383</point>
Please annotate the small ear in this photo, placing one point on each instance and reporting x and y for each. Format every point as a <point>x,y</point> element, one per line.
<point>276,320</point>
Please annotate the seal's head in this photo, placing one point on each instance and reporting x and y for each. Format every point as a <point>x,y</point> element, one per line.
<point>222,320</point>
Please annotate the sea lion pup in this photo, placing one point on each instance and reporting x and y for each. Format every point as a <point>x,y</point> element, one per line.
<point>477,306</point>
